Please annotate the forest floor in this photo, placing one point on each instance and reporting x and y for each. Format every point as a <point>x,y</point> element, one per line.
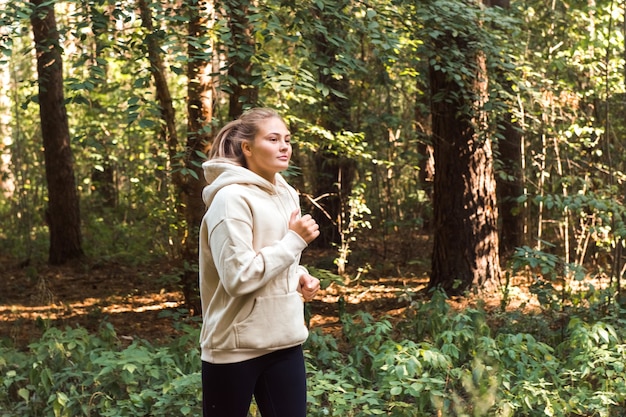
<point>134,299</point>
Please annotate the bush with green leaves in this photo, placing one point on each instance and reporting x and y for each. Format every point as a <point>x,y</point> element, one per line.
<point>72,373</point>
<point>433,361</point>
<point>438,361</point>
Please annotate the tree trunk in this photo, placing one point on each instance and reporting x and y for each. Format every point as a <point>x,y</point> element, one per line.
<point>334,174</point>
<point>465,245</point>
<point>242,48</point>
<point>63,212</point>
<point>510,188</point>
<point>103,182</point>
<point>188,183</point>
<point>163,95</point>
<point>199,137</point>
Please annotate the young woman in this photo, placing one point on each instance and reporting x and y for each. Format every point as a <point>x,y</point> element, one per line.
<point>251,284</point>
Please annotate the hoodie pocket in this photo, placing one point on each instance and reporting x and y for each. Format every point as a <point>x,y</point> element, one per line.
<point>275,321</point>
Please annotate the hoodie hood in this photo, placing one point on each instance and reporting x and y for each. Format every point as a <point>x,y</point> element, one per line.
<point>219,173</point>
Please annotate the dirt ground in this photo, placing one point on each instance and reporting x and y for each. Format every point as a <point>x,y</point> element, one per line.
<point>136,299</point>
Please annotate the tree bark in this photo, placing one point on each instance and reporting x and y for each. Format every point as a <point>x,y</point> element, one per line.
<point>465,245</point>
<point>510,188</point>
<point>200,103</point>
<point>63,212</point>
<point>244,92</point>
<point>189,184</point>
<point>163,95</point>
<point>510,185</point>
<point>334,174</point>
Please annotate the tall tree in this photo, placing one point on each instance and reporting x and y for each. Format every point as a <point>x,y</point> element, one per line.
<point>465,245</point>
<point>335,173</point>
<point>63,212</point>
<point>187,173</point>
<point>326,28</point>
<point>510,185</point>
<point>159,74</point>
<point>240,46</point>
<point>200,102</point>
<point>510,179</point>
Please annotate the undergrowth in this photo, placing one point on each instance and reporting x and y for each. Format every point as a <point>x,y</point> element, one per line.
<point>435,362</point>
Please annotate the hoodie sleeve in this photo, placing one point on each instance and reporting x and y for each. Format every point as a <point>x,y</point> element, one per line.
<point>243,264</point>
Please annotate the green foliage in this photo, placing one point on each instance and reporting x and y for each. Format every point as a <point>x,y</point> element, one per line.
<point>72,373</point>
<point>325,276</point>
<point>598,234</point>
<point>547,272</point>
<point>447,362</point>
<point>442,361</point>
<point>435,360</point>
<point>558,69</point>
<point>602,215</point>
<point>378,52</point>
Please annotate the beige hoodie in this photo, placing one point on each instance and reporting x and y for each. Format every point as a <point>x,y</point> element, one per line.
<point>249,266</point>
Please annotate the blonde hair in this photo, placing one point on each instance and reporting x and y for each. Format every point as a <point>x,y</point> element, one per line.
<point>227,143</point>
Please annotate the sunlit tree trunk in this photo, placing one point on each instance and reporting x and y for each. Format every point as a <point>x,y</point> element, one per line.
<point>63,212</point>
<point>465,244</point>
<point>169,135</point>
<point>7,178</point>
<point>187,173</point>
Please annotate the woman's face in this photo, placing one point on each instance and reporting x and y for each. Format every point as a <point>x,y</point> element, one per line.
<point>270,151</point>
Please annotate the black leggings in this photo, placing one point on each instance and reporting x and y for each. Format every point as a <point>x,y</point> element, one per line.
<point>277,381</point>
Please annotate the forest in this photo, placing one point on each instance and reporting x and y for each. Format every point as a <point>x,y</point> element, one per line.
<point>465,160</point>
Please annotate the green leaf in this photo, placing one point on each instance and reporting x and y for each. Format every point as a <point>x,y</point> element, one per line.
<point>146,123</point>
<point>130,367</point>
<point>24,393</point>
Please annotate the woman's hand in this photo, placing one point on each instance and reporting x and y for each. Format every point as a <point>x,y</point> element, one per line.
<point>305,226</point>
<point>309,286</point>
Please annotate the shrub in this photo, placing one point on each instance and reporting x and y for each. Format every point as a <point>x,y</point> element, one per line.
<point>434,361</point>
<point>71,373</point>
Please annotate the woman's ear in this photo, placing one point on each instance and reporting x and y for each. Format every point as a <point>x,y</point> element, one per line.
<point>245,147</point>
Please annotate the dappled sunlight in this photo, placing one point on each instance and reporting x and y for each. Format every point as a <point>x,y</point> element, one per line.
<point>94,306</point>
<point>133,299</point>
<point>373,291</point>
<point>141,305</point>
